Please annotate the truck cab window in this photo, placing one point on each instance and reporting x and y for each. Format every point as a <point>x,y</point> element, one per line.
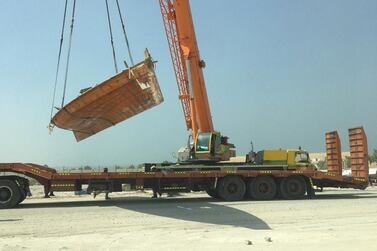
<point>302,157</point>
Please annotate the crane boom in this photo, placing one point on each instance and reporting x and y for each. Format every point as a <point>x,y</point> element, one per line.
<point>187,64</point>
<point>188,67</point>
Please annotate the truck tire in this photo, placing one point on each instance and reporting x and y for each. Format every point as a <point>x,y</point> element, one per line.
<point>231,188</point>
<point>293,188</point>
<point>212,193</point>
<point>22,196</point>
<point>262,188</point>
<point>9,194</point>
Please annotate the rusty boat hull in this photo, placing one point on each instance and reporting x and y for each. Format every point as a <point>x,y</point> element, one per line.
<point>119,98</point>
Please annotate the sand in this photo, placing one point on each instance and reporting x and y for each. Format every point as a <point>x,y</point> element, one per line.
<point>336,220</point>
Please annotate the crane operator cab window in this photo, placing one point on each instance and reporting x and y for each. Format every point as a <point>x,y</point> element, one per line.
<point>203,142</point>
<point>208,143</point>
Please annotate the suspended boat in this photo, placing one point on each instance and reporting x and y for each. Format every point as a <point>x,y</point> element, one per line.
<point>126,94</point>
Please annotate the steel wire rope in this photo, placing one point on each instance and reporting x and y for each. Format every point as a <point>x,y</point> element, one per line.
<point>69,51</point>
<point>111,36</point>
<point>125,33</point>
<point>59,58</point>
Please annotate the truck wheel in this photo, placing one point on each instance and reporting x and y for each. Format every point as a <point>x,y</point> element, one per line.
<point>262,188</point>
<point>9,194</point>
<point>231,188</point>
<point>293,188</point>
<point>22,195</point>
<point>212,193</point>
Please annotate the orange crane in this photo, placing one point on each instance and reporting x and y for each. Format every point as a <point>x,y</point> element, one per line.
<point>209,145</point>
<point>94,109</point>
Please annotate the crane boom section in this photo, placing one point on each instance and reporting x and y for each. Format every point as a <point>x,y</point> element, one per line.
<point>184,50</point>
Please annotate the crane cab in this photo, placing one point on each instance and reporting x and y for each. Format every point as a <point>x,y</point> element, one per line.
<point>212,146</point>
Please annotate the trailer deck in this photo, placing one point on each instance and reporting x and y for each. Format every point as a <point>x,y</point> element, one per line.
<point>47,176</point>
<point>229,181</point>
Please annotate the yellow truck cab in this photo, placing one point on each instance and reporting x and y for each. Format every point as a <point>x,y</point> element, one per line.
<point>290,158</point>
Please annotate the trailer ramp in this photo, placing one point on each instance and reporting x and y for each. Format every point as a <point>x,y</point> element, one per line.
<point>359,152</point>
<point>333,153</point>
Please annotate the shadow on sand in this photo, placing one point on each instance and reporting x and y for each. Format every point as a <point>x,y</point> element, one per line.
<point>10,220</point>
<point>203,210</point>
<point>353,196</point>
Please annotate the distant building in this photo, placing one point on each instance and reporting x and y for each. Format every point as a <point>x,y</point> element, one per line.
<point>317,157</point>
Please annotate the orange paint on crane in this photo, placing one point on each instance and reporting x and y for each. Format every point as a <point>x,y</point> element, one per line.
<point>183,46</point>
<point>111,102</point>
<point>190,50</point>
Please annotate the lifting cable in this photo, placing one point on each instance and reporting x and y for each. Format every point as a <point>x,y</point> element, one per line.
<point>59,56</point>
<point>124,33</point>
<point>111,36</point>
<point>70,46</point>
<point>69,51</point>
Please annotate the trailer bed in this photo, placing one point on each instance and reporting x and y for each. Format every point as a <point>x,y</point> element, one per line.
<point>228,181</point>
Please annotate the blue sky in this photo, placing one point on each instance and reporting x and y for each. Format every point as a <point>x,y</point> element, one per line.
<point>281,73</point>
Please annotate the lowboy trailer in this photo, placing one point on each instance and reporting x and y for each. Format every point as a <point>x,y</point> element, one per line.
<point>223,180</point>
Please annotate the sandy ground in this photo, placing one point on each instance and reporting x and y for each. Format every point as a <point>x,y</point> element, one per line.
<point>335,220</point>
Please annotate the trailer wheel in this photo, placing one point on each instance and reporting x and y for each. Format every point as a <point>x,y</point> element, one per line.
<point>22,196</point>
<point>262,188</point>
<point>9,194</point>
<point>231,188</point>
<point>212,193</point>
<point>293,188</point>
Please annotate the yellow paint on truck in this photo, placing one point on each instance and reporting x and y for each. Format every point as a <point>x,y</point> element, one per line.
<point>285,157</point>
